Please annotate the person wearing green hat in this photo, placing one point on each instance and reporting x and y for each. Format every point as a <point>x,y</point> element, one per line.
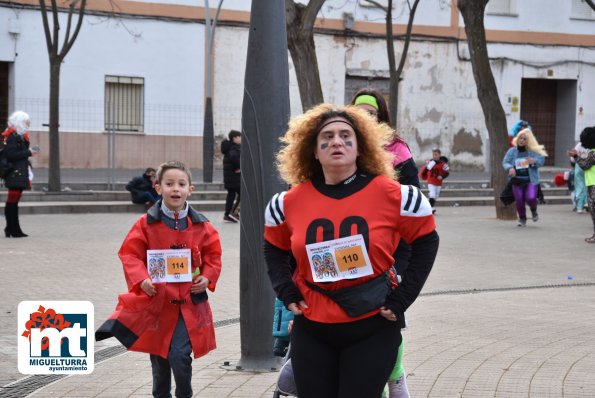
<point>374,103</point>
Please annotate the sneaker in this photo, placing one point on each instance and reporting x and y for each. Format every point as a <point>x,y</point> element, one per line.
<point>579,211</point>
<point>535,216</point>
<point>398,388</point>
<point>230,218</point>
<point>236,214</point>
<point>522,222</point>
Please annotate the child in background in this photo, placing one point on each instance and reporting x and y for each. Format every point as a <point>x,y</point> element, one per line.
<point>580,189</point>
<point>281,321</point>
<point>435,171</point>
<point>168,320</point>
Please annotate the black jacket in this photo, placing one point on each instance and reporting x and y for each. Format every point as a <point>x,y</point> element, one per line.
<point>231,162</point>
<point>17,152</point>
<point>139,185</point>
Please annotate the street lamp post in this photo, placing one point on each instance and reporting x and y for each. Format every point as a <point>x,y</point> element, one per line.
<point>265,113</point>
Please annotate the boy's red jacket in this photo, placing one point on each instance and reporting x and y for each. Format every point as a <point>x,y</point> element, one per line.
<point>440,169</point>
<point>146,324</point>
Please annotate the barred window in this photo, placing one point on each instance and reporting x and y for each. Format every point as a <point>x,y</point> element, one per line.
<point>501,7</point>
<point>581,10</point>
<point>124,103</point>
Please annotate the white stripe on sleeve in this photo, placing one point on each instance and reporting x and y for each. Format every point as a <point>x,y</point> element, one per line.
<point>273,213</point>
<point>413,202</point>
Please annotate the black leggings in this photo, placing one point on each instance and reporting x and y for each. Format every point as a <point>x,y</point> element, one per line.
<point>231,196</point>
<point>343,360</point>
<point>591,199</point>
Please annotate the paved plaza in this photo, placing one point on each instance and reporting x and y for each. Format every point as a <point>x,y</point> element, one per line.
<point>506,312</point>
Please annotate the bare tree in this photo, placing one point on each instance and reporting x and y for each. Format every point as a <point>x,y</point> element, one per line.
<point>473,15</point>
<point>395,71</point>
<point>56,57</point>
<point>300,41</point>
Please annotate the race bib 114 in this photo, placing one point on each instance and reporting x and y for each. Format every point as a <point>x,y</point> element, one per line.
<point>170,265</point>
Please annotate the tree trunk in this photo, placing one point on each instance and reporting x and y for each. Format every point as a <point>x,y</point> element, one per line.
<point>393,101</point>
<point>54,184</point>
<point>487,93</point>
<point>300,41</point>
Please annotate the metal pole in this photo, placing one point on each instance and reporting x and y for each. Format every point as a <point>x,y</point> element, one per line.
<point>265,113</point>
<point>208,129</point>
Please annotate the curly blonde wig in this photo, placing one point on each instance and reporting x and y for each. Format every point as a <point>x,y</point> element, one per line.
<point>532,143</point>
<point>296,161</point>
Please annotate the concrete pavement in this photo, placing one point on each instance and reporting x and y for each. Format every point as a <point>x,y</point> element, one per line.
<point>506,312</point>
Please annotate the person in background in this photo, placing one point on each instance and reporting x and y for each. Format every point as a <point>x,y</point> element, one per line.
<point>142,188</point>
<point>17,152</point>
<point>169,319</point>
<point>231,150</point>
<point>435,171</point>
<point>580,189</point>
<point>348,311</point>
<point>512,133</point>
<point>522,162</point>
<point>518,126</point>
<point>373,102</point>
<point>587,164</point>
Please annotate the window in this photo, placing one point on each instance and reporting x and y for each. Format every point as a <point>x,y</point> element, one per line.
<point>501,7</point>
<point>124,103</point>
<point>581,10</point>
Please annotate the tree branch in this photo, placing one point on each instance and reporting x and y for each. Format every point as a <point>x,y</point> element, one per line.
<point>56,28</point>
<point>310,13</point>
<point>67,46</point>
<point>378,5</point>
<point>407,35</point>
<point>46,25</point>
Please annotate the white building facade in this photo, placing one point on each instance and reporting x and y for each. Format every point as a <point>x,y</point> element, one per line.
<point>139,73</point>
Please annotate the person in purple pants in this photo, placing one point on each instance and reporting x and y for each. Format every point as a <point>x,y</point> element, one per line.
<point>522,162</point>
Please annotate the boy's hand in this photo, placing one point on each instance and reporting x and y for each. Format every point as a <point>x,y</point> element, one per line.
<point>148,287</point>
<point>199,284</point>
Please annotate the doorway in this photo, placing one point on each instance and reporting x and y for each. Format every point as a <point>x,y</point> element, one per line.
<point>549,107</point>
<point>4,88</point>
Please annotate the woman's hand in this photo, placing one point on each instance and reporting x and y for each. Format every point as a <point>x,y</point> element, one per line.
<point>388,314</point>
<point>295,308</point>
<point>512,172</point>
<point>530,160</point>
<point>199,284</point>
<point>148,287</point>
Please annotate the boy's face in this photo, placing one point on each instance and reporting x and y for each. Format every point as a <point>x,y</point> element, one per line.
<point>436,156</point>
<point>174,188</point>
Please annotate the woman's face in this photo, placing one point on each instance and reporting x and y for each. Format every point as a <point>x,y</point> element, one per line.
<point>370,109</point>
<point>522,140</point>
<point>336,144</point>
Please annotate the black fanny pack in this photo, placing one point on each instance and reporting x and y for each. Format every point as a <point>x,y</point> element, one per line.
<point>520,181</point>
<point>359,299</point>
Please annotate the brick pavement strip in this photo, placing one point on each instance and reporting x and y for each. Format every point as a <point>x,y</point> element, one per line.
<point>526,342</point>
